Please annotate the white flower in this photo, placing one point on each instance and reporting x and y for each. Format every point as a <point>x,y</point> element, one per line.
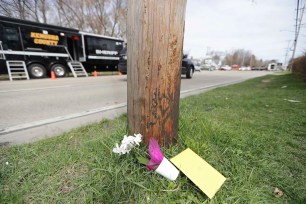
<point>6,163</point>
<point>138,139</point>
<point>117,149</point>
<point>127,144</point>
<point>128,140</point>
<point>126,147</point>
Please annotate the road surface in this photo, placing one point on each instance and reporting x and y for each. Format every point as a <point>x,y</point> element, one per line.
<point>34,109</point>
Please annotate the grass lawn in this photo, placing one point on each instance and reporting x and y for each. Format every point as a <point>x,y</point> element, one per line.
<point>247,131</point>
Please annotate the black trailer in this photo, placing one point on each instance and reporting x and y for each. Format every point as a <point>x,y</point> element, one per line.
<point>45,48</point>
<point>101,52</point>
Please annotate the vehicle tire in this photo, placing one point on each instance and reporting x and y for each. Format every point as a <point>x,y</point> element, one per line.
<point>189,73</point>
<point>37,71</point>
<point>59,70</point>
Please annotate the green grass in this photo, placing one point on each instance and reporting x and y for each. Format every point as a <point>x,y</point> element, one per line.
<point>247,131</point>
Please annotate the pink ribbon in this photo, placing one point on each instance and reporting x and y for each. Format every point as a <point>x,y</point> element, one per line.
<point>155,154</point>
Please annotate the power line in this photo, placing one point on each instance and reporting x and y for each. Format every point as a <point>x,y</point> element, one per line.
<point>297,16</point>
<point>298,23</point>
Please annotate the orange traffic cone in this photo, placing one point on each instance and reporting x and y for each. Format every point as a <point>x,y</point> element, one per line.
<point>119,73</point>
<point>95,73</point>
<point>53,75</point>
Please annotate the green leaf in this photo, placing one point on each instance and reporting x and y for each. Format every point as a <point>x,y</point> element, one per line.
<point>171,185</point>
<point>142,160</point>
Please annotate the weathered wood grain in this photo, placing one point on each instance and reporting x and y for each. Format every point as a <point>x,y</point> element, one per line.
<point>155,32</point>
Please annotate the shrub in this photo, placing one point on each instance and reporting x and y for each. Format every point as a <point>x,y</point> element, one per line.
<point>299,67</point>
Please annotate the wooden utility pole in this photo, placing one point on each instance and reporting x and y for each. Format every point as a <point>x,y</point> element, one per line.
<point>155,33</point>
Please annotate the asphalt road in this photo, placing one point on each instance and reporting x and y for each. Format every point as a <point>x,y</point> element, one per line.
<point>43,108</point>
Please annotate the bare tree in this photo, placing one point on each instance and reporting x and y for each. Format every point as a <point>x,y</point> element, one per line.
<point>36,10</point>
<point>216,58</point>
<point>43,5</point>
<point>106,17</point>
<point>96,16</point>
<point>118,11</point>
<point>122,20</point>
<point>6,8</point>
<point>71,13</point>
<point>39,10</point>
<point>15,8</point>
<point>58,5</point>
<point>238,57</point>
<point>25,9</point>
<point>20,8</point>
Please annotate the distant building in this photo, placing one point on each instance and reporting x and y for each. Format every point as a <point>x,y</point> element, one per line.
<point>210,63</point>
<point>275,66</point>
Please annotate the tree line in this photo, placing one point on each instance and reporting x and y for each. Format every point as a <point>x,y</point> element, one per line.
<point>239,57</point>
<point>105,17</point>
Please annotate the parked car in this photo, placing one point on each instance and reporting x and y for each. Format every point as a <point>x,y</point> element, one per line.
<point>236,67</point>
<point>208,67</point>
<point>245,69</point>
<point>188,67</point>
<point>225,68</point>
<point>258,68</point>
<point>197,67</point>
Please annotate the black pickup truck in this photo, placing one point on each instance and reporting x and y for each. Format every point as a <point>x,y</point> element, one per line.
<point>187,67</point>
<point>187,64</point>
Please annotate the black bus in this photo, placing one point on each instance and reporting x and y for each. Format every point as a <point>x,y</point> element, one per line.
<point>45,48</point>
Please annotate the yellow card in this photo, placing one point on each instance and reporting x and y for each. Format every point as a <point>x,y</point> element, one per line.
<point>208,179</point>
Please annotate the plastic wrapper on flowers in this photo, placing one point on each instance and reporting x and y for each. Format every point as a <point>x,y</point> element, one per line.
<point>158,162</point>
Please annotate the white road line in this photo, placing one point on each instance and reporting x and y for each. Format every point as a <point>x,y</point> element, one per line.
<point>211,86</point>
<point>93,111</point>
<point>58,119</point>
<point>34,89</point>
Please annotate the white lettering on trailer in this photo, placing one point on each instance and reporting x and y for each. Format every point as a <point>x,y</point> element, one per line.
<point>49,54</point>
<point>106,52</point>
<point>102,57</point>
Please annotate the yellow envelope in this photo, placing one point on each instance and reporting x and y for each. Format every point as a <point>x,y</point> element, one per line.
<point>208,179</point>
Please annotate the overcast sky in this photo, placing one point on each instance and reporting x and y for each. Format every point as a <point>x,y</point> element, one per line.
<point>264,27</point>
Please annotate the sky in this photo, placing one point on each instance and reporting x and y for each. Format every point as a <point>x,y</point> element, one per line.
<point>265,27</point>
